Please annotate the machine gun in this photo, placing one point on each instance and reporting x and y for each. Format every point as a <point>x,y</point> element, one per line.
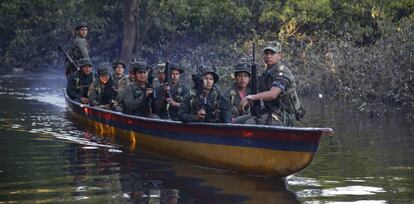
<point>254,110</point>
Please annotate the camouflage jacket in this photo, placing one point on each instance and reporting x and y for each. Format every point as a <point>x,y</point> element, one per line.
<point>133,100</point>
<point>78,85</point>
<point>234,98</point>
<point>216,106</point>
<point>287,103</point>
<point>162,109</point>
<point>101,94</point>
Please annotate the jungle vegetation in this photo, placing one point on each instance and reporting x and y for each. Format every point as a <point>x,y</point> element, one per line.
<point>357,50</point>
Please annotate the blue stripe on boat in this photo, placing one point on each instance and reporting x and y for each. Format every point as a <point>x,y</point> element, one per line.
<point>300,146</point>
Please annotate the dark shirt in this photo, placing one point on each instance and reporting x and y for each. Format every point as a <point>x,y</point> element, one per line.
<point>178,93</point>
<point>78,85</point>
<point>216,106</point>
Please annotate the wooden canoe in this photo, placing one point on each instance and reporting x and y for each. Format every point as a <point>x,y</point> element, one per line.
<point>254,149</point>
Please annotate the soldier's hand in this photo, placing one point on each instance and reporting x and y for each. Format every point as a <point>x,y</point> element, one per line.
<point>114,103</point>
<point>166,88</point>
<point>149,92</point>
<point>201,114</point>
<point>244,103</point>
<point>84,100</point>
<point>172,102</point>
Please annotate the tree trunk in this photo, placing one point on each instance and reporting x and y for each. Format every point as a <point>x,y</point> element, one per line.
<point>131,12</point>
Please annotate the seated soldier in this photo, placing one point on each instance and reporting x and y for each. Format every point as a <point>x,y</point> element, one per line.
<point>171,96</point>
<point>239,90</point>
<point>102,91</point>
<point>79,82</point>
<point>160,75</point>
<point>205,103</point>
<point>137,99</point>
<point>119,68</point>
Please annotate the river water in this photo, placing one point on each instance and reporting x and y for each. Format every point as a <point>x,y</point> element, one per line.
<point>47,157</point>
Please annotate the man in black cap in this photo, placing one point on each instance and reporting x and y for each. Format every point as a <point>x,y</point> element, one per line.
<point>79,47</point>
<point>171,96</point>
<point>240,89</point>
<point>102,92</point>
<point>136,100</point>
<point>79,82</point>
<point>277,90</point>
<point>205,103</point>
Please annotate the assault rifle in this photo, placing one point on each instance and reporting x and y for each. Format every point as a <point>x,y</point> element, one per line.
<point>68,58</point>
<point>254,110</point>
<point>200,87</point>
<point>149,99</point>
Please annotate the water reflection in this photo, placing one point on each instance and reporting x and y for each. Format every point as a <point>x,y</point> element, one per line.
<point>48,157</point>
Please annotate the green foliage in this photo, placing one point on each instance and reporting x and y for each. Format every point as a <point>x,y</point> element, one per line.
<point>344,47</point>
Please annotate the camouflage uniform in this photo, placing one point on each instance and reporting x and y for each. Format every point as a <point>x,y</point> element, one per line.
<point>101,94</point>
<point>216,106</point>
<point>78,83</point>
<point>116,78</point>
<point>78,50</point>
<point>160,70</point>
<point>178,93</point>
<point>134,100</point>
<point>286,107</point>
<point>232,94</point>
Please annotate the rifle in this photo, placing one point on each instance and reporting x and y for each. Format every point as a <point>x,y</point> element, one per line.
<point>167,71</point>
<point>202,100</point>
<point>67,56</point>
<point>150,98</point>
<point>254,110</point>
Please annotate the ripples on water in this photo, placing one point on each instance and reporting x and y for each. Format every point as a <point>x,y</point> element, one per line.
<point>48,157</point>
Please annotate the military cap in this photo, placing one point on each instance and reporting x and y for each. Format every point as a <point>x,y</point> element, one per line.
<point>80,25</point>
<point>176,67</point>
<point>139,66</point>
<point>242,67</point>
<point>103,71</point>
<point>273,46</point>
<point>118,62</point>
<point>209,70</point>
<point>84,61</point>
<point>161,67</point>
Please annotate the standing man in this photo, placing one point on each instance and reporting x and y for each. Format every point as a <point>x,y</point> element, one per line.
<point>79,47</point>
<point>239,90</point>
<point>205,103</point>
<point>277,89</point>
<point>102,91</point>
<point>171,96</point>
<point>79,82</point>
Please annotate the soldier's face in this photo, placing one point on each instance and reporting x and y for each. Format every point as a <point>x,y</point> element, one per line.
<point>119,69</point>
<point>87,69</point>
<point>161,77</point>
<point>242,79</point>
<point>104,78</point>
<point>175,76</point>
<point>208,80</point>
<point>83,32</point>
<point>271,57</point>
<point>141,76</point>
